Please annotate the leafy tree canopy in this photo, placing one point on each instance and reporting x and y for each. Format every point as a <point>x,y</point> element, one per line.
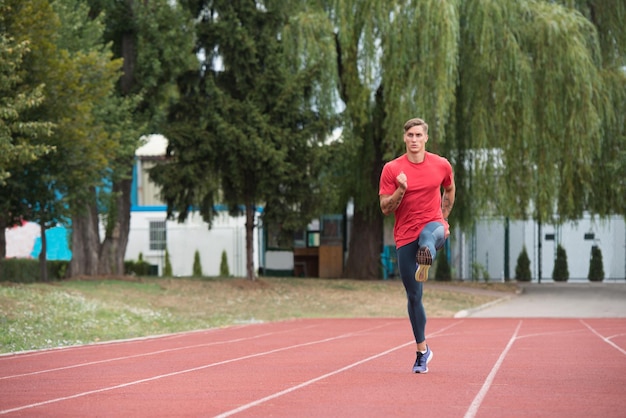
<point>16,132</point>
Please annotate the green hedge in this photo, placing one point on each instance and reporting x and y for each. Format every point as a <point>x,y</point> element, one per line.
<point>26,270</point>
<point>140,268</point>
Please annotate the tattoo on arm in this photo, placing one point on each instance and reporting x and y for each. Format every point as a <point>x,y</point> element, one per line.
<point>447,202</point>
<point>389,204</point>
<point>446,207</point>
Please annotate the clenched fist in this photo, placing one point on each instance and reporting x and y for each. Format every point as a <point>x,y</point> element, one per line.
<point>401,180</point>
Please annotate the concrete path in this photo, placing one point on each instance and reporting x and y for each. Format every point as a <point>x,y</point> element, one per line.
<point>558,300</point>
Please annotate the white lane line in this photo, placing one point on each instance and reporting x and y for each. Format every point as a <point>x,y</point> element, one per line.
<point>552,333</point>
<point>309,382</point>
<point>150,353</point>
<point>324,376</point>
<point>148,338</point>
<point>478,400</point>
<point>194,369</point>
<point>603,338</point>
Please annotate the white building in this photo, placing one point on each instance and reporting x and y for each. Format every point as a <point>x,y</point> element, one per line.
<point>486,247</point>
<point>150,232</point>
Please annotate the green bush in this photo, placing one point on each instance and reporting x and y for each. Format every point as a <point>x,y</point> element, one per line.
<point>26,270</point>
<point>522,269</point>
<point>224,270</point>
<point>560,272</point>
<point>197,267</point>
<point>137,268</point>
<point>57,269</point>
<point>596,269</point>
<point>443,272</point>
<point>479,271</point>
<point>20,270</point>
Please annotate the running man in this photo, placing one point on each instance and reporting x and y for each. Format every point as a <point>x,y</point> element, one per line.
<point>410,187</point>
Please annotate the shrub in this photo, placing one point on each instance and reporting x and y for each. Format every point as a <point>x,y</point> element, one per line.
<point>167,270</point>
<point>560,272</point>
<point>137,268</point>
<point>26,270</point>
<point>21,270</point>
<point>224,270</point>
<point>197,267</point>
<point>596,270</point>
<point>443,271</point>
<point>522,269</point>
<point>479,271</point>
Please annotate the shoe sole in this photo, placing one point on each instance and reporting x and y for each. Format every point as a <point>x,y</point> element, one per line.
<point>427,361</point>
<point>421,275</point>
<point>424,260</point>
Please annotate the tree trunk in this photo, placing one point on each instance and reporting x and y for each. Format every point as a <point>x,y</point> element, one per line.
<point>250,211</point>
<point>3,245</point>
<point>43,270</point>
<point>90,257</point>
<point>3,238</point>
<point>366,243</point>
<point>85,243</point>
<point>129,54</point>
<point>366,240</point>
<point>113,250</point>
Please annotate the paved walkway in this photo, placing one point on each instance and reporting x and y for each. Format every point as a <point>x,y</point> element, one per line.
<point>558,300</point>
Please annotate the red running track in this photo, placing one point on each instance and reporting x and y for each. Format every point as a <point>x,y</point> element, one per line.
<point>333,368</point>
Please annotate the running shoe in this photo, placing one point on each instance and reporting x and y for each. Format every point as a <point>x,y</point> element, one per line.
<point>422,360</point>
<point>424,260</point>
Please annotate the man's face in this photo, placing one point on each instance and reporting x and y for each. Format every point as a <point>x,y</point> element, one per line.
<point>415,139</point>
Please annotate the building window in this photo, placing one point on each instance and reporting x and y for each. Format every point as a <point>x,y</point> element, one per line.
<point>158,235</point>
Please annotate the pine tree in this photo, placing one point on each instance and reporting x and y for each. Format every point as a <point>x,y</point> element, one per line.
<point>197,266</point>
<point>248,131</point>
<point>596,269</point>
<point>522,269</point>
<point>224,270</point>
<point>560,272</point>
<point>167,270</point>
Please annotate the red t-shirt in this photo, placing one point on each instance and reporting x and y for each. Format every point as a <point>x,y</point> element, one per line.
<point>421,202</point>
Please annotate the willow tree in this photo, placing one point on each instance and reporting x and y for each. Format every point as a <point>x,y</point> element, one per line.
<point>528,109</point>
<point>539,118</point>
<point>515,93</point>
<point>609,157</point>
<point>395,60</point>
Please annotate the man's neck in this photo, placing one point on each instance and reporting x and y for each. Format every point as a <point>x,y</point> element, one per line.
<point>416,157</point>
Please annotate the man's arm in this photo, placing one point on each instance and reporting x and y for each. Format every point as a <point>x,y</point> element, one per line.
<point>389,203</point>
<point>447,199</point>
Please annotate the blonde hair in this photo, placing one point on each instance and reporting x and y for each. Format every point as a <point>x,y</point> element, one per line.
<point>415,122</point>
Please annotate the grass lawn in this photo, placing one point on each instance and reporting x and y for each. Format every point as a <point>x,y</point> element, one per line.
<point>70,312</point>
